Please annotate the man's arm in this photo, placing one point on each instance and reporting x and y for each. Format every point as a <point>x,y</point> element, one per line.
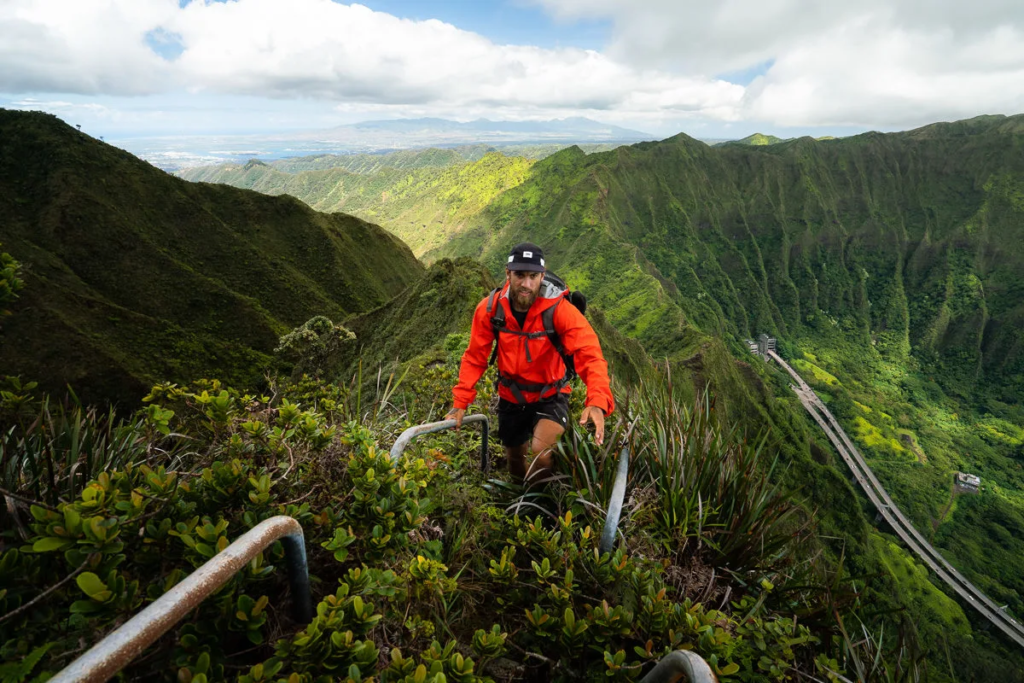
<point>474,360</point>
<point>580,341</point>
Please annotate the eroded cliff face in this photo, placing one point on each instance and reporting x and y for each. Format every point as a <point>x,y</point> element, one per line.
<point>909,242</point>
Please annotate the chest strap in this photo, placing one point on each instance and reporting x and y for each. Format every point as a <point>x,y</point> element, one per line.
<point>516,387</point>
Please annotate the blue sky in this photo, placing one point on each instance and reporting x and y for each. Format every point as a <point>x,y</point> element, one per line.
<point>126,68</point>
<point>503,21</point>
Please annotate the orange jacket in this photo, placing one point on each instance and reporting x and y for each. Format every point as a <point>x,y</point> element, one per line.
<point>546,365</point>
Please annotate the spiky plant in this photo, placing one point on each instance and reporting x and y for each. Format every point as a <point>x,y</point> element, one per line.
<point>52,456</point>
<point>716,491</point>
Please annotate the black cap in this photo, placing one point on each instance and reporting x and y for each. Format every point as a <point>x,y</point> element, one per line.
<point>526,256</point>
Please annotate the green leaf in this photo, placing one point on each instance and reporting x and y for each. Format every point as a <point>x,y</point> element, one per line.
<point>730,669</point>
<point>84,607</point>
<point>51,543</point>
<point>90,584</point>
<point>72,520</point>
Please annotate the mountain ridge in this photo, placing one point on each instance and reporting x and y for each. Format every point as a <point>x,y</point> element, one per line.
<point>134,275</point>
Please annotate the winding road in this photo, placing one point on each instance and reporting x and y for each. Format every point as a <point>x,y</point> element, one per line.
<point>892,514</point>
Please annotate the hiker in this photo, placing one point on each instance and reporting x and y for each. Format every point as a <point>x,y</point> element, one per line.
<point>540,342</point>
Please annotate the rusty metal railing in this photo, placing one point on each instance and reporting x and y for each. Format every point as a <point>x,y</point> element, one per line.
<point>115,651</point>
<point>611,520</point>
<point>412,432</point>
<point>683,666</point>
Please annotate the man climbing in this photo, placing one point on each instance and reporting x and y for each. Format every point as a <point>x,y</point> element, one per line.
<point>527,321</point>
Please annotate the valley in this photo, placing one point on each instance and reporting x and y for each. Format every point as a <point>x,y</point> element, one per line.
<point>892,272</point>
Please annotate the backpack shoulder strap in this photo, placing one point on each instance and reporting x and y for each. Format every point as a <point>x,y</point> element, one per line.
<point>547,316</point>
<point>497,315</point>
<point>492,298</point>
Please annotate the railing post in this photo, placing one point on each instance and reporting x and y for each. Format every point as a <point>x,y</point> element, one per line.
<point>412,432</point>
<point>298,577</point>
<point>611,522</point>
<point>682,665</point>
<point>125,643</point>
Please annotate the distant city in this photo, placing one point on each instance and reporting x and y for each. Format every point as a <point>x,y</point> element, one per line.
<point>173,153</point>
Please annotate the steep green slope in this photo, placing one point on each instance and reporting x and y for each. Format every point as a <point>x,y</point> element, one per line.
<point>422,206</point>
<point>133,275</point>
<point>908,242</point>
<point>896,258</point>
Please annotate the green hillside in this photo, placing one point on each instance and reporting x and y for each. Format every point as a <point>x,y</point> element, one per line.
<point>880,237</point>
<point>756,139</point>
<point>894,261</point>
<point>422,206</point>
<point>839,247</point>
<point>133,275</point>
<point>357,163</point>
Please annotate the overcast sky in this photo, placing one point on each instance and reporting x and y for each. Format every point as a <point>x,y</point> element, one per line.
<point>711,69</point>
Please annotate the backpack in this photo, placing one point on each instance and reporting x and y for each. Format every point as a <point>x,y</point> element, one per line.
<point>497,315</point>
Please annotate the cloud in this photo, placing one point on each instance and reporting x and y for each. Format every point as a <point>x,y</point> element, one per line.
<point>321,50</point>
<point>797,63</point>
<point>862,62</point>
<point>86,47</point>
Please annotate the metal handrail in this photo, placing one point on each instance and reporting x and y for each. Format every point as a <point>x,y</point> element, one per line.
<point>681,665</point>
<point>611,520</point>
<point>115,651</point>
<point>412,432</point>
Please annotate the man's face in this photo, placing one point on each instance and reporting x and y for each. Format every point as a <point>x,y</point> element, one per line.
<point>524,286</point>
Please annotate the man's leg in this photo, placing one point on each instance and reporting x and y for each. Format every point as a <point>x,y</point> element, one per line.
<point>516,456</point>
<point>515,426</point>
<point>545,436</point>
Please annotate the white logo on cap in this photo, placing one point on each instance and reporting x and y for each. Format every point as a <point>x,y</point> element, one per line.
<point>527,254</point>
<point>542,262</point>
<point>511,258</point>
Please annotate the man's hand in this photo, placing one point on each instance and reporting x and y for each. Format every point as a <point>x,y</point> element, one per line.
<point>456,414</point>
<point>595,415</point>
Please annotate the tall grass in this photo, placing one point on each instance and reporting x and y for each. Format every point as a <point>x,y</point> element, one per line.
<point>715,489</point>
<point>51,455</point>
<point>705,488</point>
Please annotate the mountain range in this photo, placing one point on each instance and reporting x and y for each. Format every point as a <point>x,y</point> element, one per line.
<point>876,232</point>
<point>432,131</point>
<point>888,266</point>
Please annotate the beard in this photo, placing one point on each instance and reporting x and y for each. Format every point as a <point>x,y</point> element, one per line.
<point>523,299</point>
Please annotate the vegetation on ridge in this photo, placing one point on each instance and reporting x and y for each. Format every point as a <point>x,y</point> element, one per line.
<point>134,276</point>
<point>587,209</point>
<point>420,568</point>
<point>893,258</point>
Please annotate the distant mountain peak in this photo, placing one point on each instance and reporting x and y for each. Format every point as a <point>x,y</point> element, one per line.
<point>759,139</point>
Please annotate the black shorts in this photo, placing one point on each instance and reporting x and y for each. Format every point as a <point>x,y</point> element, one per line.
<point>517,420</point>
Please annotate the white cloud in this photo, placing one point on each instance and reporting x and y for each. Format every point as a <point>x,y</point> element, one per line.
<point>323,50</point>
<point>861,62</point>
<point>88,46</point>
